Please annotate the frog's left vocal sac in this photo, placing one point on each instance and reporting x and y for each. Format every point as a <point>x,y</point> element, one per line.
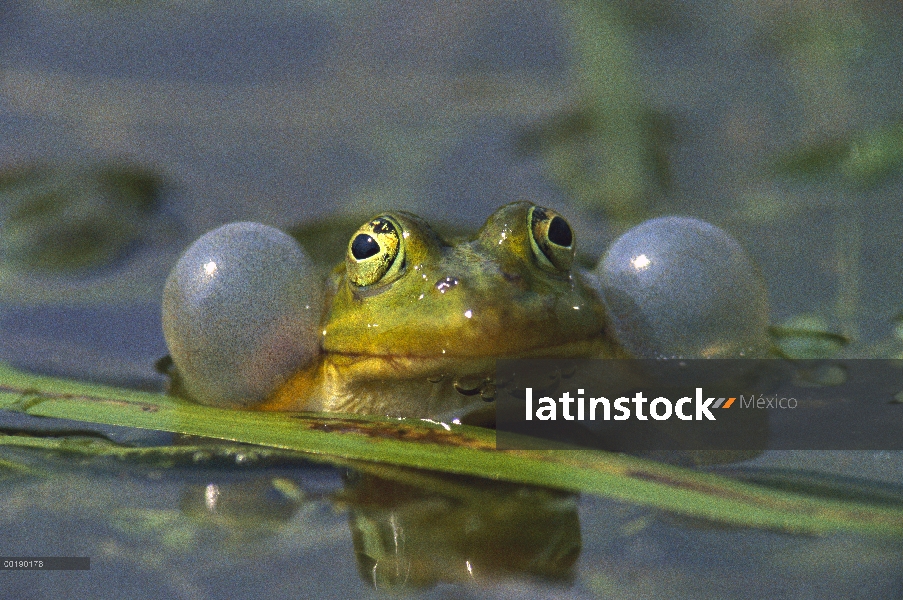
<point>410,324</point>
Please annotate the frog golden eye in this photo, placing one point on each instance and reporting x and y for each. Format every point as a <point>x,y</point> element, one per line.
<point>551,238</point>
<point>375,253</point>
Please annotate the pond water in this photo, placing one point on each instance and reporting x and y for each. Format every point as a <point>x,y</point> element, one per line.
<point>292,112</point>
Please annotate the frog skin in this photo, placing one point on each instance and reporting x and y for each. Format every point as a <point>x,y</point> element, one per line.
<point>413,324</point>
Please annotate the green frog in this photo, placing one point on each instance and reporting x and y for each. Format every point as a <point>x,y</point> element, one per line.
<point>413,323</point>
<point>410,324</point>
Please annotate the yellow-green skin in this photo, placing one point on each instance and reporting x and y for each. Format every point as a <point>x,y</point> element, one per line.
<point>409,347</point>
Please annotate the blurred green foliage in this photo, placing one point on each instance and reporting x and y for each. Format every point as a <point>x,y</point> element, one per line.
<point>578,154</point>
<point>60,218</point>
<point>864,158</point>
<point>608,151</point>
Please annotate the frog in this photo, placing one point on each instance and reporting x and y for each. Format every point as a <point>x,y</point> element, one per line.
<point>414,323</point>
<point>411,323</point>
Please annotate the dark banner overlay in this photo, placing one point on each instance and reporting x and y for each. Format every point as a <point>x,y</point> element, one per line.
<point>666,405</point>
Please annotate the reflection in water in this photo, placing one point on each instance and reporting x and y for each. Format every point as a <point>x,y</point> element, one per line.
<point>472,530</point>
<point>412,529</point>
<point>247,511</point>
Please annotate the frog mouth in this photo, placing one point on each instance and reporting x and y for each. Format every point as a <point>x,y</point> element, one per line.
<point>468,369</point>
<point>593,346</point>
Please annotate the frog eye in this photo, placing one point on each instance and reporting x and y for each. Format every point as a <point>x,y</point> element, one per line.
<point>241,312</point>
<point>375,253</point>
<point>678,287</point>
<point>551,238</point>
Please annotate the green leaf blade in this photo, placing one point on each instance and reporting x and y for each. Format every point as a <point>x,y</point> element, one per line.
<point>343,439</point>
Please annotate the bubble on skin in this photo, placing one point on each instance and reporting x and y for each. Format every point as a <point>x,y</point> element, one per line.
<point>241,313</point>
<point>678,287</point>
<point>445,284</point>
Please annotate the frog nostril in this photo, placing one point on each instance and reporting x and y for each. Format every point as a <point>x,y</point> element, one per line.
<point>560,232</point>
<point>364,247</point>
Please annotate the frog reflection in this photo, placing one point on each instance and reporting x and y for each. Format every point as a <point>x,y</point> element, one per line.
<point>410,324</point>
<point>410,529</point>
<point>476,531</point>
<point>238,513</point>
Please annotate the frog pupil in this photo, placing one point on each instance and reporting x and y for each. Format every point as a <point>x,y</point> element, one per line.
<point>364,246</point>
<point>560,232</point>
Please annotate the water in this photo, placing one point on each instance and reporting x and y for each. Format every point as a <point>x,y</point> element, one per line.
<point>287,112</point>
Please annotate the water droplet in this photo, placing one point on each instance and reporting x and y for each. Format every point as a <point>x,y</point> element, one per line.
<point>445,284</point>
